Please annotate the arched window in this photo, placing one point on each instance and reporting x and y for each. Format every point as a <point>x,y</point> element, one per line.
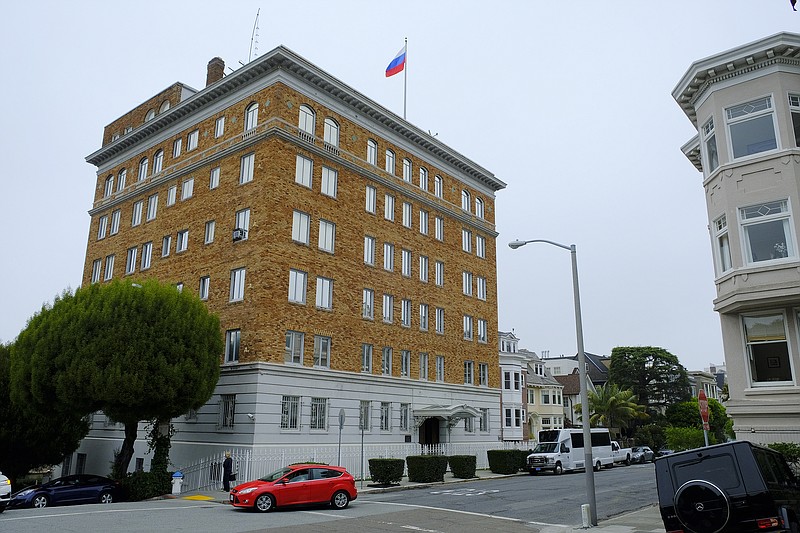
<point>479,208</point>
<point>158,161</point>
<point>251,116</point>
<point>372,152</point>
<point>306,124</point>
<point>438,187</point>
<point>164,106</point>
<point>407,170</point>
<point>389,161</point>
<point>331,133</point>
<point>423,178</point>
<point>466,200</point>
<point>108,187</point>
<point>151,114</point>
<point>142,169</point>
<point>121,179</point>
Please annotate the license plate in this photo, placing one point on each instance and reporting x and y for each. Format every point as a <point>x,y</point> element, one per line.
<point>538,469</point>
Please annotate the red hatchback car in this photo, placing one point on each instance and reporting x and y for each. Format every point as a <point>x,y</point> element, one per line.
<point>297,485</point>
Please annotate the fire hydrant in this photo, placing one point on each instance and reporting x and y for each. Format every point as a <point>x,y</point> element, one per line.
<point>177,481</point>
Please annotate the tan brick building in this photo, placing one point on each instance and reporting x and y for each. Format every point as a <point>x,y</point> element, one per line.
<point>349,255</point>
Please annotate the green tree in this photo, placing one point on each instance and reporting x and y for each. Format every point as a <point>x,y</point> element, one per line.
<point>687,414</point>
<point>654,375</point>
<point>611,407</point>
<point>30,439</point>
<point>139,352</point>
<point>686,438</point>
<point>652,435</point>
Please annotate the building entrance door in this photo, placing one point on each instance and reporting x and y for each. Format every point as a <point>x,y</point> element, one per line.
<point>429,431</point>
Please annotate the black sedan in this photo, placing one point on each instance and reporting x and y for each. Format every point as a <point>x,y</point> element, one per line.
<point>78,488</point>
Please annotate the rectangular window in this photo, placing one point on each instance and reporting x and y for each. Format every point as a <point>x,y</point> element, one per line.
<point>388,207</point>
<point>324,293</point>
<point>518,417</point>
<point>439,267</point>
<point>481,283</point>
<point>405,263</point>
<point>480,246</point>
<point>439,368</point>
<point>293,352</point>
<point>405,313</point>
<point>466,283</point>
<point>405,363</point>
<point>545,397</point>
<point>710,143</point>
<point>423,269</point>
<point>423,222</point>
<point>439,228</point>
<point>136,218</point>
<point>227,411</point>
<point>386,361</point>
<point>300,227</point>
<point>469,424</point>
<point>246,169</point>
<point>767,349</point>
<point>407,211</point>
<point>172,193</point>
<point>423,317</point>
<point>232,342</point>
<point>483,374</point>
<point>319,413</point>
<point>152,206</point>
<point>327,235</point>
<point>329,179</point>
<point>147,255</point>
<point>297,286</point>
<point>187,190</point>
<point>322,351</point>
<point>482,330</point>
<point>368,303</point>
<point>176,147</point>
<point>182,242</point>
<point>407,170</point>
<point>369,250</point>
<point>166,245</point>
<point>109,267</point>
<point>440,320</point>
<point>213,180</point>
<point>516,381</point>
<point>388,256</point>
<point>469,373</point>
<point>405,412</point>
<point>219,127</point>
<point>366,358</point>
<point>114,222</point>
<point>466,240</point>
<point>386,416</point>
<point>388,308</point>
<point>467,327</point>
<point>508,419</point>
<point>130,262</point>
<point>423,366</point>
<point>209,234</point>
<point>97,265</point>
<point>303,170</point>
<point>102,225</point>
<point>191,142</point>
<point>507,380</point>
<point>484,420</point>
<point>767,231</point>
<point>364,415</point>
<point>290,412</point>
<point>237,285</point>
<point>752,127</point>
<point>205,281</point>
<point>242,222</point>
<point>371,194</point>
<point>723,249</point>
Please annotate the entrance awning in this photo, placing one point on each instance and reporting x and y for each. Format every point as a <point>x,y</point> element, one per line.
<point>449,413</point>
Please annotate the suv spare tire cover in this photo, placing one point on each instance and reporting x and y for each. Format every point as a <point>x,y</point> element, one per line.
<point>702,507</point>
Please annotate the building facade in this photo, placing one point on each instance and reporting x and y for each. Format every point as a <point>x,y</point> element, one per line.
<point>544,398</point>
<point>349,255</point>
<point>745,105</point>
<point>512,399</point>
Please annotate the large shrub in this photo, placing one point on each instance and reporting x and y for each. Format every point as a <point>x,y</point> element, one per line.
<point>463,466</point>
<point>505,461</point>
<point>145,485</point>
<point>426,468</point>
<point>386,471</point>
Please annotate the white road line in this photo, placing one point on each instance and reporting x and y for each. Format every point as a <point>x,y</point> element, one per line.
<point>450,511</point>
<point>326,514</point>
<point>60,515</point>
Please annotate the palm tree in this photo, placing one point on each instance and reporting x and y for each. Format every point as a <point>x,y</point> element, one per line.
<point>611,407</point>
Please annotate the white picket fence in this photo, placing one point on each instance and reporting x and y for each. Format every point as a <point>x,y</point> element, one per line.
<point>253,463</point>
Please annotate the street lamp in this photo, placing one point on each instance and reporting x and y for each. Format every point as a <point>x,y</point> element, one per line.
<point>587,433</point>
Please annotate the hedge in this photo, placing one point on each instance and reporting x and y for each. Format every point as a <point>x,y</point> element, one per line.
<point>426,468</point>
<point>139,486</point>
<point>386,471</point>
<point>463,466</point>
<point>507,461</point>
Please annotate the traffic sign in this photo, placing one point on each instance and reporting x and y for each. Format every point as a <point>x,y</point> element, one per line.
<point>703,402</point>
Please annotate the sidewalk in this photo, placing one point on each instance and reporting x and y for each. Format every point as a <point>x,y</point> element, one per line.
<point>647,520</point>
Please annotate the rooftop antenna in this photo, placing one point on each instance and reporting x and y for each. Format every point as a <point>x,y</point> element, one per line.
<point>254,38</point>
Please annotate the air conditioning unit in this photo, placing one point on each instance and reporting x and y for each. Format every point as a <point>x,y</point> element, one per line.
<point>239,234</point>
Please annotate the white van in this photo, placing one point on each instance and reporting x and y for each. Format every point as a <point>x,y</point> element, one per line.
<point>561,450</point>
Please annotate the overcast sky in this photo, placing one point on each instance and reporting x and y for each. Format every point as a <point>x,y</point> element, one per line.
<point>568,102</point>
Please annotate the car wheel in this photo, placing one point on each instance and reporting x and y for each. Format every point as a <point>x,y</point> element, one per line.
<point>597,466</point>
<point>40,501</point>
<point>558,470</point>
<point>627,460</point>
<point>106,497</point>
<point>702,506</point>
<point>264,503</point>
<point>340,500</point>
<point>2,508</point>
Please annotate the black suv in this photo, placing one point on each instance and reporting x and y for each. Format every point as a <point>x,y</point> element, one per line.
<point>731,487</point>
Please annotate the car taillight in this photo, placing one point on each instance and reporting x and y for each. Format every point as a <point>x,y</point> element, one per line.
<point>767,523</point>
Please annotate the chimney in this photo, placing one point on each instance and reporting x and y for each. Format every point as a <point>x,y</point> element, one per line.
<point>216,70</point>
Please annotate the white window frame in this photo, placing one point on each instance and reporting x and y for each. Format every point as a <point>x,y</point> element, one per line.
<point>438,186</point>
<point>293,347</point>
<point>130,262</point>
<point>386,361</point>
<point>219,127</point>
<point>479,208</point>
<point>365,415</point>
<point>329,181</point>
<point>203,290</point>
<point>480,283</point>
<point>290,413</point>
<point>327,236</point>
<point>304,171</point>
<point>483,328</point>
<point>439,273</point>
<point>192,139</point>
<point>166,245</point>
<point>423,178</point>
<point>740,114</point>
<point>121,177</point>
<point>172,193</point>
<point>483,375</point>
<point>423,222</point>
<point>370,199</point>
<point>407,212</point>
<point>301,227</point>
<point>102,225</point>
<point>209,233</point>
<point>387,308</point>
<point>440,320</point>
<point>423,268</point>
<point>439,228</point>
<point>440,368</point>
<point>388,257</point>
<point>423,366</point>
<point>108,186</point>
<point>366,358</point>
<point>136,216</point>
<point>407,170</point>
<point>187,189</point>
<point>109,270</point>
<point>405,263</point>
<point>466,200</point>
<point>466,240</point>
<point>386,416</point>
<point>115,217</point>
<point>388,207</point>
<point>390,161</point>
<point>466,283</point>
<point>330,135</point>
<point>97,265</point>
<point>306,124</point>
<point>368,303</point>
<point>177,145</point>
<point>423,317</point>
<point>251,117</point>
<point>324,293</point>
<point>158,162</point>
<point>213,178</point>
<point>758,363</point>
<point>722,249</point>
<point>753,216</point>
<point>322,351</point>
<point>237,285</point>
<point>298,282</point>
<point>233,343</point>
<point>469,373</point>
<point>372,152</point>
<point>147,255</point>
<point>468,331</point>
<point>242,221</point>
<point>319,414</point>
<point>480,246</point>
<point>710,151</point>
<point>405,313</point>
<point>369,250</point>
<point>142,169</point>
<point>152,206</point>
<point>246,168</point>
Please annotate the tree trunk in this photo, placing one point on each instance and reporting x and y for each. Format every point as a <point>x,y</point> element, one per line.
<point>123,458</point>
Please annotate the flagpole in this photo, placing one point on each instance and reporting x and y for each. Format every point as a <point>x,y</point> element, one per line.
<point>405,80</point>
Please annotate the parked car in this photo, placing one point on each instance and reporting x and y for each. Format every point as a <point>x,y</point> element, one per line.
<point>5,492</point>
<point>296,485</point>
<point>732,487</point>
<point>78,488</point>
<point>664,452</point>
<point>642,454</point>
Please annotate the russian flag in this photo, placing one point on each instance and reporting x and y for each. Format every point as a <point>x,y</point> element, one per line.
<point>397,64</point>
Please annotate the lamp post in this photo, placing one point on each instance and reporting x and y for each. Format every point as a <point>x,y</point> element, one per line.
<point>587,433</point>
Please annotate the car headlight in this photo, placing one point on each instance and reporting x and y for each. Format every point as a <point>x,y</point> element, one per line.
<point>7,482</point>
<point>247,490</point>
<point>24,492</point>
